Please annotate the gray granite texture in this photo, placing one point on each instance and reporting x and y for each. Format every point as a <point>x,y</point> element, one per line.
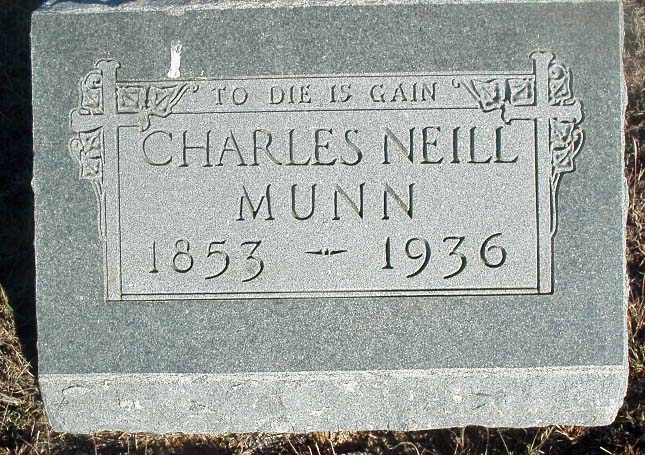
<point>145,325</point>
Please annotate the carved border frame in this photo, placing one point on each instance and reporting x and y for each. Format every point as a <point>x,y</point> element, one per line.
<point>544,96</point>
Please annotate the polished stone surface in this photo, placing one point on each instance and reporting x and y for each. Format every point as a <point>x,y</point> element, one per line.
<point>462,261</point>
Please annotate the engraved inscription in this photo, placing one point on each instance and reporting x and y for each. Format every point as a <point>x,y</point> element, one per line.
<point>337,185</point>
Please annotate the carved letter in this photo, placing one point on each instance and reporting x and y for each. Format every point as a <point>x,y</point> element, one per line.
<point>205,148</point>
<point>276,95</point>
<point>233,147</point>
<point>428,92</point>
<point>406,208</point>
<point>354,147</point>
<point>407,152</point>
<point>499,149</point>
<point>145,150</point>
<point>218,95</point>
<point>319,146</point>
<point>352,204</point>
<point>430,134</point>
<point>294,212</point>
<point>455,145</point>
<point>240,96</point>
<point>472,149</point>
<point>265,147</point>
<point>254,210</point>
<point>292,159</point>
<point>399,94</point>
<point>380,98</point>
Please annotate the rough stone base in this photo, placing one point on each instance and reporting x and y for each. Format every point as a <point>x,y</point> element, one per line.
<point>333,401</point>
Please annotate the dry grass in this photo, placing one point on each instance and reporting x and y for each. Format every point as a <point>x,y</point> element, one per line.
<point>24,430</point>
<point>21,412</point>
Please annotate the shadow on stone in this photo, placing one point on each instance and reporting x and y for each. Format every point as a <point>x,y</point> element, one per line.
<point>92,2</point>
<point>16,197</point>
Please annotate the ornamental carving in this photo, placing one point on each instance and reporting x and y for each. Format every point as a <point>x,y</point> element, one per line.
<point>99,103</point>
<point>546,97</point>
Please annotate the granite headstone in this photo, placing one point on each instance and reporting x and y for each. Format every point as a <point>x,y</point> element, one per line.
<point>329,215</point>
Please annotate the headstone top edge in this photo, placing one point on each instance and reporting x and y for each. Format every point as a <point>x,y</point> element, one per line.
<point>178,7</point>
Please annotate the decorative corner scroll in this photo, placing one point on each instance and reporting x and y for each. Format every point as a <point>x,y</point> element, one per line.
<point>105,105</point>
<point>150,100</point>
<point>91,90</point>
<point>565,135</point>
<point>494,94</point>
<point>88,148</point>
<point>545,96</point>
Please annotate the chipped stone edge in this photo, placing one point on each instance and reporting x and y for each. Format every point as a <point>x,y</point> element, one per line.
<point>177,8</point>
<point>334,401</point>
<point>625,186</point>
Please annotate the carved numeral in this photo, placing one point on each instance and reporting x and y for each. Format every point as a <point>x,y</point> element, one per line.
<point>153,257</point>
<point>212,251</point>
<point>424,255</point>
<point>487,249</point>
<point>258,261</point>
<point>388,254</point>
<point>454,252</point>
<point>182,261</point>
<point>418,249</point>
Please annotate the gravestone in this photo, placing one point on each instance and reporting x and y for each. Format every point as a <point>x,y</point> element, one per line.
<point>295,216</point>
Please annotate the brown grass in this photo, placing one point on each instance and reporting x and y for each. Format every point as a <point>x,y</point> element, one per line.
<point>21,412</point>
<point>24,430</point>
